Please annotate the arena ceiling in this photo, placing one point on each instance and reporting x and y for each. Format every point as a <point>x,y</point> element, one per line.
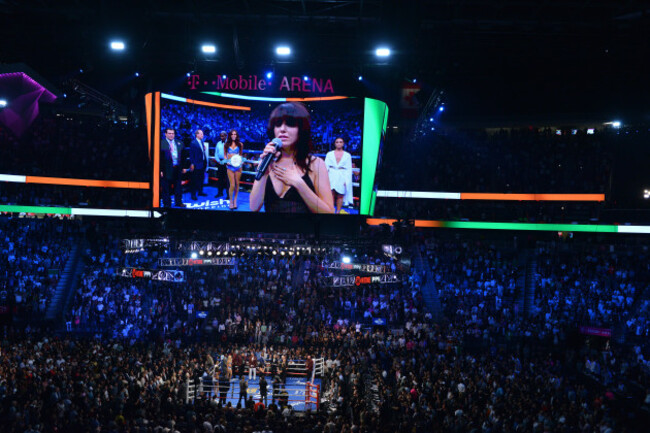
<point>494,50</point>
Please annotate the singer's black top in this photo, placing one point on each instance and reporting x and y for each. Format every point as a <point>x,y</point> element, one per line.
<point>290,203</point>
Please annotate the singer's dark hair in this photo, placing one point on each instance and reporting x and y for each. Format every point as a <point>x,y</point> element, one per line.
<point>237,142</point>
<point>294,114</point>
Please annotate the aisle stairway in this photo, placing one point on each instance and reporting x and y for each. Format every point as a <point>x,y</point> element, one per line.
<point>66,285</point>
<point>526,282</point>
<point>427,285</point>
<point>531,282</point>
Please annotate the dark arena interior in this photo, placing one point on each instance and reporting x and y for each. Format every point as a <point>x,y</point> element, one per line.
<point>325,216</point>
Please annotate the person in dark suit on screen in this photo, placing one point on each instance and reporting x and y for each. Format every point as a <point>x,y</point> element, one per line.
<point>171,169</point>
<point>220,159</point>
<point>198,164</point>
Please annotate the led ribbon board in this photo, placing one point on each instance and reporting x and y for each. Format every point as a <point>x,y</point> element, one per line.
<point>130,246</point>
<point>174,276</point>
<point>217,261</point>
<point>371,269</point>
<point>356,280</point>
<point>489,196</point>
<point>479,225</point>
<point>78,211</point>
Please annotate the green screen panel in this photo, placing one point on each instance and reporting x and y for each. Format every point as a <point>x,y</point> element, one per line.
<point>35,209</point>
<point>531,226</point>
<point>375,117</point>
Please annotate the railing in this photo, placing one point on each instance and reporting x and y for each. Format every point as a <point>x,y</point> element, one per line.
<point>295,368</point>
<point>319,368</point>
<point>312,395</point>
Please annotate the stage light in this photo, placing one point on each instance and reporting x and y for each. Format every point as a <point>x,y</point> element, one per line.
<point>188,75</point>
<point>3,102</point>
<point>616,124</point>
<point>117,46</point>
<point>415,80</point>
<point>65,95</point>
<point>346,259</point>
<point>137,74</point>
<point>209,49</point>
<point>209,253</point>
<point>194,255</point>
<point>201,252</point>
<point>274,252</point>
<point>223,77</point>
<point>218,253</point>
<point>431,119</point>
<point>282,51</point>
<point>382,52</point>
<point>591,131</point>
<point>646,194</point>
<point>441,109</point>
<point>281,253</point>
<point>360,78</point>
<point>306,78</point>
<point>81,71</point>
<point>269,75</point>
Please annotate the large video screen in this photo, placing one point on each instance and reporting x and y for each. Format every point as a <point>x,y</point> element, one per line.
<point>275,155</point>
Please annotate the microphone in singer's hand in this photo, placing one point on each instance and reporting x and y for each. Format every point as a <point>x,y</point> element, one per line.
<point>264,165</point>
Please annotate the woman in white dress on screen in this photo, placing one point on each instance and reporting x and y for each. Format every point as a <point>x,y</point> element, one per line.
<point>339,168</point>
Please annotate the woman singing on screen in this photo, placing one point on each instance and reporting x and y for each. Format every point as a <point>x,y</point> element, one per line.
<point>296,181</point>
<point>339,169</point>
<point>234,147</point>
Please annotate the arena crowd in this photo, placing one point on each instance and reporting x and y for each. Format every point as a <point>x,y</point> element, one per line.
<point>131,348</point>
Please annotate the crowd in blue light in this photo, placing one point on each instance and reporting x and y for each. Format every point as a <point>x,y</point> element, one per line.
<point>488,338</point>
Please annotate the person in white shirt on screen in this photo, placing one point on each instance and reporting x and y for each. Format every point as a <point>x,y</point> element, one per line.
<point>339,168</point>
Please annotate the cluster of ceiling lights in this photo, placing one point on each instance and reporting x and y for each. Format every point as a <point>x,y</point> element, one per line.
<point>280,50</point>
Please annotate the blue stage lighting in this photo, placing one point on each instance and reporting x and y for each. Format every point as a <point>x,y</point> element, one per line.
<point>117,46</point>
<point>382,52</point>
<point>283,51</point>
<point>209,49</point>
